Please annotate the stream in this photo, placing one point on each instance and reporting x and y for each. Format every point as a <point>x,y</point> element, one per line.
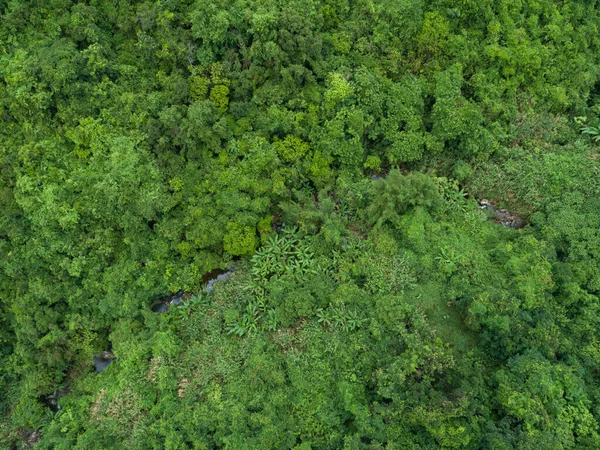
<point>208,280</point>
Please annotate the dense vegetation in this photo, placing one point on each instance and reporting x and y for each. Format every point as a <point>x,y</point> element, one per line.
<point>332,153</point>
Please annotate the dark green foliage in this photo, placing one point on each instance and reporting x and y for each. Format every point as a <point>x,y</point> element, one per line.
<point>332,151</point>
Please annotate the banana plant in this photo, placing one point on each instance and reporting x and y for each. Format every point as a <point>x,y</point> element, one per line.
<point>592,129</point>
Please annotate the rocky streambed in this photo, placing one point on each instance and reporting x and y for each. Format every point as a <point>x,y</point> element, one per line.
<point>504,217</point>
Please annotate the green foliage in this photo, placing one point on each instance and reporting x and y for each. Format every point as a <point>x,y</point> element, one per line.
<point>340,317</point>
<point>291,148</point>
<point>592,128</point>
<point>458,121</point>
<point>239,240</point>
<point>335,150</point>
<point>399,193</point>
<point>198,87</point>
<point>282,255</point>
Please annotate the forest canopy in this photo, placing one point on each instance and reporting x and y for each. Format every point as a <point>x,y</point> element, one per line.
<point>303,224</point>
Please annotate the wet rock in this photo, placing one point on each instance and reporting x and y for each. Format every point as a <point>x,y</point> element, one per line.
<point>382,175</point>
<point>103,360</point>
<point>222,276</point>
<point>181,297</point>
<point>101,364</point>
<point>277,225</point>
<point>165,303</point>
<point>161,307</point>
<point>176,299</point>
<point>503,215</point>
<point>51,400</point>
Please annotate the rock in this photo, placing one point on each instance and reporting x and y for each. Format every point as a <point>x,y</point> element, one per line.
<point>504,217</point>
<point>278,228</point>
<point>176,299</point>
<point>220,277</point>
<point>517,223</point>
<point>101,364</point>
<point>103,360</point>
<point>209,285</point>
<point>51,401</point>
<point>34,438</point>
<point>161,307</point>
<point>107,355</point>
